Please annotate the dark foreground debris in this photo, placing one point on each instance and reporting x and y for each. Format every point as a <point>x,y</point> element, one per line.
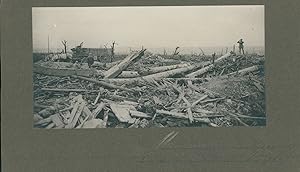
<point>145,90</point>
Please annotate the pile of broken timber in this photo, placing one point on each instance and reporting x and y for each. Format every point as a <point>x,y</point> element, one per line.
<point>159,96</point>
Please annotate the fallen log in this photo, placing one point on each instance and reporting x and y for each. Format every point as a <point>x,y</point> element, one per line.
<point>207,68</point>
<point>158,69</point>
<point>246,70</point>
<point>173,72</point>
<point>104,84</point>
<point>118,68</point>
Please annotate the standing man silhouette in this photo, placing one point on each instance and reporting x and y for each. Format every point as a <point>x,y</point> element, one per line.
<point>241,46</point>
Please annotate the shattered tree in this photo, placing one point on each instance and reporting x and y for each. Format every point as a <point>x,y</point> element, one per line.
<point>146,90</point>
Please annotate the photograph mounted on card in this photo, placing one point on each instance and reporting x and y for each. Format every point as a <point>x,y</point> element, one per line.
<point>148,66</point>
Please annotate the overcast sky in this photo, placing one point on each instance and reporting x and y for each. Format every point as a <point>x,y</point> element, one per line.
<point>152,27</point>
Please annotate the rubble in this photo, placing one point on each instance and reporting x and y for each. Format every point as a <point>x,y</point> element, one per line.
<point>147,90</point>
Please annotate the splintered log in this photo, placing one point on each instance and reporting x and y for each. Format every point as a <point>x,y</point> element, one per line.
<point>207,68</point>
<point>118,68</point>
<point>170,73</point>
<point>104,84</point>
<point>246,70</point>
<point>63,71</point>
<point>162,68</point>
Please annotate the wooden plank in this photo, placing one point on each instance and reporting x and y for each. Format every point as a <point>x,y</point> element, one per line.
<point>56,119</point>
<point>77,115</point>
<point>121,112</point>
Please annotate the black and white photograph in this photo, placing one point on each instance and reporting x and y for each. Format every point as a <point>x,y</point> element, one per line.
<point>148,66</point>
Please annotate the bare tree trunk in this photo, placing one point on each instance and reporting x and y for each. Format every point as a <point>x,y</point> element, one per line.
<point>176,52</point>
<point>112,51</point>
<point>64,42</point>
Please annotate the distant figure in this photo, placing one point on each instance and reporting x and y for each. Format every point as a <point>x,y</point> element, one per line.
<point>241,46</point>
<point>213,58</point>
<point>90,60</point>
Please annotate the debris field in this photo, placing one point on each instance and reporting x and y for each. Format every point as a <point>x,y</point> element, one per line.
<point>146,90</point>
